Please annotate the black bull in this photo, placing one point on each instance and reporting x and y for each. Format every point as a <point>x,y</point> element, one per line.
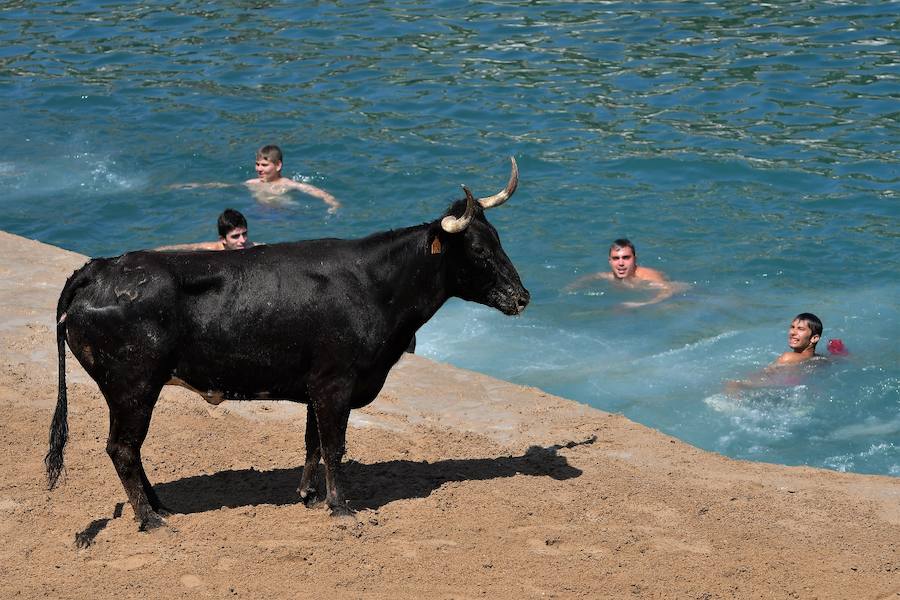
<point>319,322</point>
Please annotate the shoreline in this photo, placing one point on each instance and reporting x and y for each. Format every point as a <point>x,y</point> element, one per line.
<point>464,486</point>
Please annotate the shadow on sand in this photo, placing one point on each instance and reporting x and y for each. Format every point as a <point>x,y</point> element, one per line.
<point>368,486</point>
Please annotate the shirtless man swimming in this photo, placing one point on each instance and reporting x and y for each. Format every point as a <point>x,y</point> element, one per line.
<point>269,185</point>
<point>624,270</point>
<point>804,333</point>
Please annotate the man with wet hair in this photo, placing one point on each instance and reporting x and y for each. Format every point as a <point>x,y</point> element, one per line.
<point>624,270</point>
<point>804,333</point>
<point>232,235</point>
<point>269,184</point>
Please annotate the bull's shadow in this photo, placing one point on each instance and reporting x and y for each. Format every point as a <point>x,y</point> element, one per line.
<point>369,486</point>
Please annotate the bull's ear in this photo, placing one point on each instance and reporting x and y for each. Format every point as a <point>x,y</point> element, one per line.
<point>435,241</point>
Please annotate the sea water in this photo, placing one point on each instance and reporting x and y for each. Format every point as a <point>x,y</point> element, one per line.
<point>748,149</point>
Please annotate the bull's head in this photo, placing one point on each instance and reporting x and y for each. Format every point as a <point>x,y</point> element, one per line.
<point>481,271</point>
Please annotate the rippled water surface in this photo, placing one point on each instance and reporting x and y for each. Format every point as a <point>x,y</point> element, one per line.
<point>749,150</point>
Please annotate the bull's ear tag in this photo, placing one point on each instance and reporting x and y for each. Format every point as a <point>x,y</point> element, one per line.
<point>436,245</point>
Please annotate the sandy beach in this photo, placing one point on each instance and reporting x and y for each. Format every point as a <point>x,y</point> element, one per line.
<point>464,486</point>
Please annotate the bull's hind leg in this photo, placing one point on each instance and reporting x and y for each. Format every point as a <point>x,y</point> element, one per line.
<point>332,406</point>
<point>307,490</point>
<point>155,503</point>
<point>129,420</point>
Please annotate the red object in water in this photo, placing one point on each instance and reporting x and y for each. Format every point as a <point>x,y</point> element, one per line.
<point>837,347</point>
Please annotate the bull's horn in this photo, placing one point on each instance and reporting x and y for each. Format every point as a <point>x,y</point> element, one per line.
<point>503,196</point>
<point>451,224</point>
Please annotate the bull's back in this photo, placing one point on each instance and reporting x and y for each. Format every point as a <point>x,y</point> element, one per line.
<point>250,323</point>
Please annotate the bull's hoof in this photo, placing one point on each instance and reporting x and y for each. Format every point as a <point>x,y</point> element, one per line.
<point>311,501</point>
<point>308,497</point>
<point>342,511</point>
<point>151,522</point>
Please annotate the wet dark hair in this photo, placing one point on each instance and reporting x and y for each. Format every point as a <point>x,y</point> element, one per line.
<point>271,153</point>
<point>229,220</point>
<point>815,325</point>
<point>623,243</point>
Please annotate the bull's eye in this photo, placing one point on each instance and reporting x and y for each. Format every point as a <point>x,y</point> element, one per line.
<point>479,251</point>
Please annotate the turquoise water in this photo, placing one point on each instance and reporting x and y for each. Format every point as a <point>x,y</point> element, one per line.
<point>749,150</point>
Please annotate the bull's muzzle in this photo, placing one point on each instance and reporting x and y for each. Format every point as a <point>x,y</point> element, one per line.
<point>522,300</point>
<point>512,301</point>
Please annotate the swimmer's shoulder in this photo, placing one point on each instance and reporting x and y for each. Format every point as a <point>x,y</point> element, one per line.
<point>648,274</point>
<point>794,358</point>
<point>790,358</point>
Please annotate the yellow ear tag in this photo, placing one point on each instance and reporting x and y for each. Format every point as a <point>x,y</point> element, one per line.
<point>436,246</point>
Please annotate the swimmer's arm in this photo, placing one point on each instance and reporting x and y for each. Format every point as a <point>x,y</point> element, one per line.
<point>192,186</point>
<point>764,378</point>
<point>191,247</point>
<point>736,385</point>
<point>665,289</point>
<point>319,193</point>
<point>758,380</point>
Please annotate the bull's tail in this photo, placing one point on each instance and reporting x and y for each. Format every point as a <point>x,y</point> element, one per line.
<point>59,427</point>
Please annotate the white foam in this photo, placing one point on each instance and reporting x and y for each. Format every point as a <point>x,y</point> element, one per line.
<point>698,344</point>
<point>847,462</point>
<point>84,171</point>
<point>764,413</point>
<point>871,427</point>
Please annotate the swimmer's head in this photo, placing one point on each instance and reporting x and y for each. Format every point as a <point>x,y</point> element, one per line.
<point>622,258</point>
<point>815,324</point>
<point>233,229</point>
<point>269,161</point>
<point>622,243</point>
<point>271,153</point>
<point>805,332</point>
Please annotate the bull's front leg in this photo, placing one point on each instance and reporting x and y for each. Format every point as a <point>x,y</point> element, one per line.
<point>307,490</point>
<point>332,407</point>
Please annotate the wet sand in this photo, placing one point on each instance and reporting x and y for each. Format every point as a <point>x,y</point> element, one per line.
<point>464,486</point>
